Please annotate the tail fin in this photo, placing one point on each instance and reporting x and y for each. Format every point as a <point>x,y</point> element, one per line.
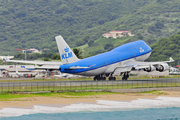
<point>16,70</point>
<point>171,59</point>
<point>5,58</point>
<point>67,55</point>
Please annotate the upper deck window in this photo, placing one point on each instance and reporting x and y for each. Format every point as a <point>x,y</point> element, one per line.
<point>132,47</point>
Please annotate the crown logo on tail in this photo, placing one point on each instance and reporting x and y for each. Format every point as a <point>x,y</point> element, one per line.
<point>66,49</point>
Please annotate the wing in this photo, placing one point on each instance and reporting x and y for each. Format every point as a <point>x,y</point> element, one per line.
<point>35,62</point>
<point>148,66</point>
<point>139,65</point>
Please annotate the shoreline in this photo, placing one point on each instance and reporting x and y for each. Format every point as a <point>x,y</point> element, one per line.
<point>28,102</point>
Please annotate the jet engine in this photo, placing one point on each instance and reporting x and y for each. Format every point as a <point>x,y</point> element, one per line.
<point>150,68</point>
<point>162,67</point>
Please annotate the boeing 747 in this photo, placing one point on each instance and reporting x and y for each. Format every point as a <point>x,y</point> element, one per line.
<point>120,60</point>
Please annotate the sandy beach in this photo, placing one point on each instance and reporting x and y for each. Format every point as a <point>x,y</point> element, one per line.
<point>60,101</point>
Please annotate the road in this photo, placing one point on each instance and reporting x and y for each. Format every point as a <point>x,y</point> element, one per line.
<point>17,78</point>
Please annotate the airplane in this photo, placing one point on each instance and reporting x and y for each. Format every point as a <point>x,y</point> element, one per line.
<point>19,74</point>
<point>64,75</point>
<point>119,61</point>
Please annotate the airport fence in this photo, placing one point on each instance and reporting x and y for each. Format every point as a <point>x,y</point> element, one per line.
<point>85,85</point>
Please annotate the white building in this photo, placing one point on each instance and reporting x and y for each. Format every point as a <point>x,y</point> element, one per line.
<point>32,50</point>
<point>116,34</point>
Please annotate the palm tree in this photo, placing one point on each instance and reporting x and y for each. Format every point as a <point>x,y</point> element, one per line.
<point>77,52</point>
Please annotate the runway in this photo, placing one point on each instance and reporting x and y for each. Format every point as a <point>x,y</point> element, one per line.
<point>89,82</point>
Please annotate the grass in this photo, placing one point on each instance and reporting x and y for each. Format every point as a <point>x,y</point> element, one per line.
<point>155,92</point>
<point>23,97</point>
<point>50,79</point>
<point>16,97</point>
<point>146,77</point>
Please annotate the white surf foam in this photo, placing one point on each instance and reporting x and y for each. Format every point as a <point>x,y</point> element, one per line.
<point>102,105</point>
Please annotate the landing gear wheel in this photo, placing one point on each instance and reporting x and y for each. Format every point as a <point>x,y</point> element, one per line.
<point>125,76</point>
<point>112,78</point>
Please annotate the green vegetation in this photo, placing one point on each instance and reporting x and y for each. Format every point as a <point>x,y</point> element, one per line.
<point>78,52</point>
<point>17,97</point>
<point>35,56</point>
<point>156,92</point>
<point>34,24</point>
<point>165,48</point>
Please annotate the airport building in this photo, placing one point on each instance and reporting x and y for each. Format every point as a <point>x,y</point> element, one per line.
<point>28,67</point>
<point>17,70</point>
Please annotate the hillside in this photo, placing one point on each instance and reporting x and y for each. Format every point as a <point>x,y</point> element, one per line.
<point>165,48</point>
<point>34,24</point>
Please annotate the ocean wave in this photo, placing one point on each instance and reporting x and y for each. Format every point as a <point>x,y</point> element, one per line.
<point>101,105</point>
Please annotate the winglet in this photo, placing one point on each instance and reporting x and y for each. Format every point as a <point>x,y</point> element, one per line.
<point>6,59</point>
<point>171,59</point>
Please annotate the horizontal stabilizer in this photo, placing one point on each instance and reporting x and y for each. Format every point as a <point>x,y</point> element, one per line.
<point>171,59</point>
<point>48,67</point>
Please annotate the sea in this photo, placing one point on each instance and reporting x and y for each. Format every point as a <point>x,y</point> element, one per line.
<point>161,108</point>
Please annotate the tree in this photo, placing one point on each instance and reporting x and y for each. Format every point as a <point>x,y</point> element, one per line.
<point>90,43</point>
<point>55,57</point>
<point>77,52</point>
<point>139,36</point>
<point>86,39</point>
<point>159,25</point>
<point>46,59</point>
<point>108,46</point>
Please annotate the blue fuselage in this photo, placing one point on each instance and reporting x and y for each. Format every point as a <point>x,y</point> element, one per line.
<point>119,54</point>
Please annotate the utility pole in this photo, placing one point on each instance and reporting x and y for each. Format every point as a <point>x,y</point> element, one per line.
<point>25,53</point>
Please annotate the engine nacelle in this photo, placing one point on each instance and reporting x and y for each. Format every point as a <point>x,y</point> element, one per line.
<point>150,68</point>
<point>162,67</point>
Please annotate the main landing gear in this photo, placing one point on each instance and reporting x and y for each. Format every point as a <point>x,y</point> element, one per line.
<point>99,78</point>
<point>112,78</point>
<point>125,76</point>
<point>103,77</point>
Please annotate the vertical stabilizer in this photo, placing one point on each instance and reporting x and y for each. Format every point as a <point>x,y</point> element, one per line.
<point>67,55</point>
